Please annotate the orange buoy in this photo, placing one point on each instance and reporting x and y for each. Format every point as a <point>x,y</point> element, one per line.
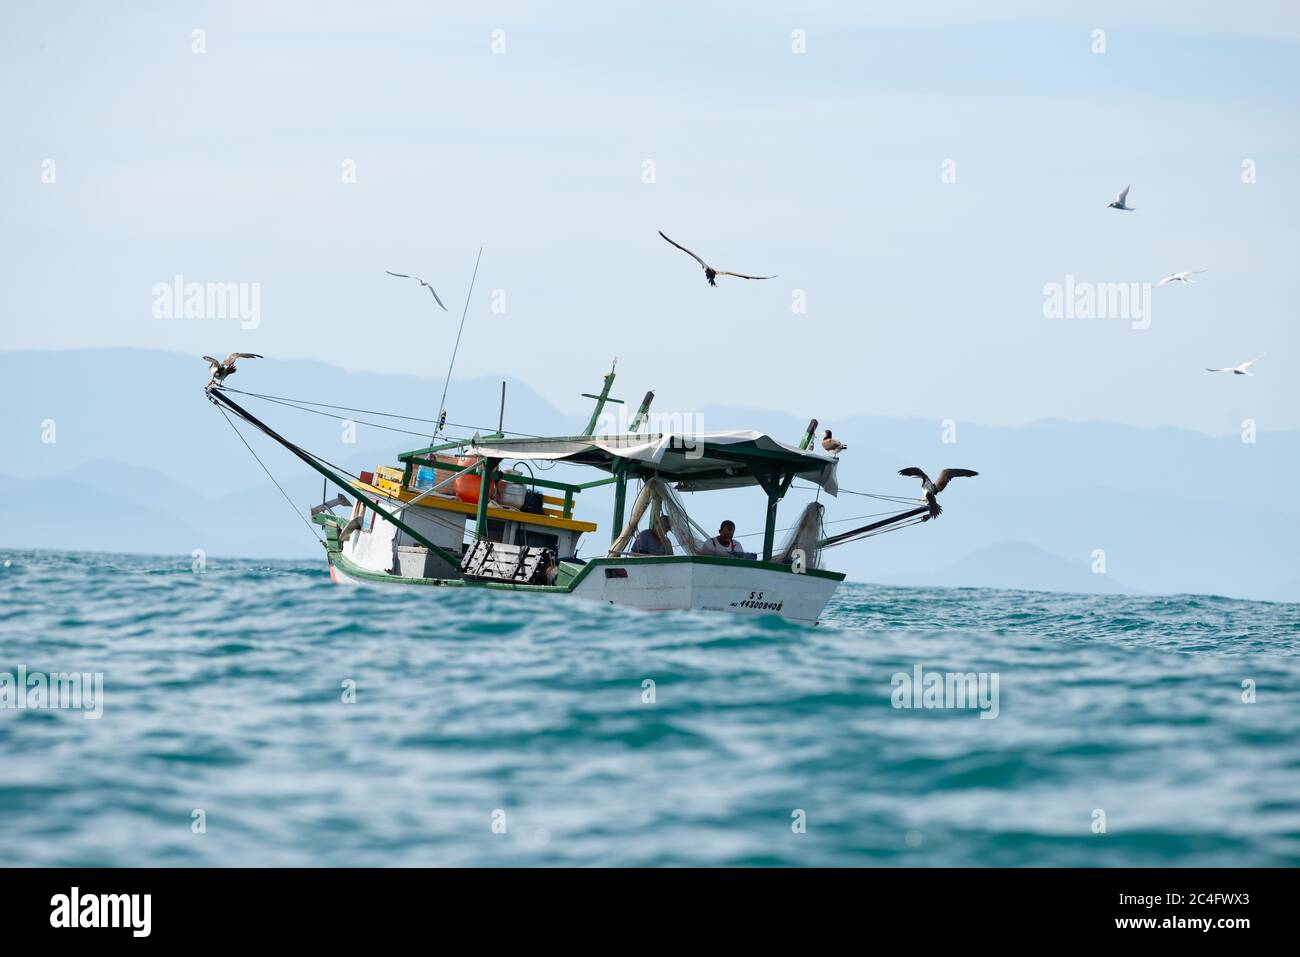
<point>466,486</point>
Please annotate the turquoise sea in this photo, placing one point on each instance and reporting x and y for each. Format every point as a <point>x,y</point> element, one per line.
<point>497,729</point>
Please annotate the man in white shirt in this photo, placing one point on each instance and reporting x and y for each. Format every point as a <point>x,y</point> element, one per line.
<point>724,543</point>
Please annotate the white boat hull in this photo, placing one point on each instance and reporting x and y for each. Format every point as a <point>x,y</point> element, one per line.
<point>680,582</point>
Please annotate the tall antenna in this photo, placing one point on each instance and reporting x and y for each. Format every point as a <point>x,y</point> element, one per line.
<point>442,403</point>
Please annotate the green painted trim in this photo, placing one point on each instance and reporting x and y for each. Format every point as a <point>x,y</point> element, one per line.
<point>808,434</point>
<point>432,449</point>
<point>622,468</point>
<point>642,412</point>
<point>769,523</point>
<point>541,483</point>
<point>484,484</point>
<point>620,502</point>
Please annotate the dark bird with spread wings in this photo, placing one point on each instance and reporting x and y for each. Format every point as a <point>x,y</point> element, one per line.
<point>932,489</point>
<point>709,272</point>
<point>220,370</point>
<point>402,275</point>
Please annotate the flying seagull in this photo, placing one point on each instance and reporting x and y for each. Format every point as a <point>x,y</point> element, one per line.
<point>932,489</point>
<point>402,275</point>
<point>709,272</point>
<point>1120,202</point>
<point>220,370</point>
<point>1238,370</point>
<point>834,446</point>
<point>1185,276</point>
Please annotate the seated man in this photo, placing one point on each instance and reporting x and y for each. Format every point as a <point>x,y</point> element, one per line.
<point>724,543</point>
<point>654,540</point>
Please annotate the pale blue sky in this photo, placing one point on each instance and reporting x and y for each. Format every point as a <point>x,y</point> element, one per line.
<point>924,298</point>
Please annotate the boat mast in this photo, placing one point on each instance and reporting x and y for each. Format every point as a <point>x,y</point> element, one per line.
<point>601,400</point>
<point>620,471</point>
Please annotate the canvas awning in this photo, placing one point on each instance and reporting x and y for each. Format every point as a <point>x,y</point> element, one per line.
<point>696,461</point>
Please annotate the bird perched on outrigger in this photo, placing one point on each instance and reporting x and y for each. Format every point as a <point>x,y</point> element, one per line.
<point>932,489</point>
<point>225,368</point>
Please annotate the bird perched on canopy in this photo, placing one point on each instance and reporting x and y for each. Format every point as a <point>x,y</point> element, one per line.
<point>832,445</point>
<point>932,489</point>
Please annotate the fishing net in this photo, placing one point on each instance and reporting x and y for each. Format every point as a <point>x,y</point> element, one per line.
<point>804,535</point>
<point>657,498</point>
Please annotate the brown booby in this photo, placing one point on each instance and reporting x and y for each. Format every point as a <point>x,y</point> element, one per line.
<point>220,370</point>
<point>932,489</point>
<point>709,272</point>
<point>834,446</point>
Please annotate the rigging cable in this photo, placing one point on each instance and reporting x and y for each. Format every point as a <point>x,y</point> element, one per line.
<point>901,499</point>
<point>319,541</point>
<point>442,403</point>
<point>303,454</point>
<point>834,521</point>
<point>298,403</point>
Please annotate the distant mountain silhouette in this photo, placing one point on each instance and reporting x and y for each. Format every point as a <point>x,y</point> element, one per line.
<point>142,462</point>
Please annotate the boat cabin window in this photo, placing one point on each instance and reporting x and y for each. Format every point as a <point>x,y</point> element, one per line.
<point>526,536</point>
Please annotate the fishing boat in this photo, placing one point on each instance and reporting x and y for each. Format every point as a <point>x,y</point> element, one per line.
<point>455,514</point>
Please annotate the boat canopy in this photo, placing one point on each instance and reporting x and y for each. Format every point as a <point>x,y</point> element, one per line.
<point>696,461</point>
